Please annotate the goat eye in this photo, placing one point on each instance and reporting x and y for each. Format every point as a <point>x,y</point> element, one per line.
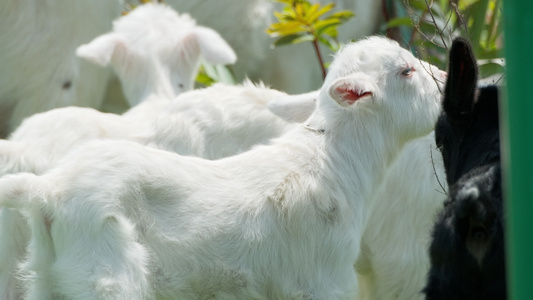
<point>180,85</point>
<point>408,71</point>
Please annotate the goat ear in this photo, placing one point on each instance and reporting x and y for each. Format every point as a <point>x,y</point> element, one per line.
<point>213,47</point>
<point>346,91</point>
<point>100,50</point>
<point>294,108</point>
<point>461,84</point>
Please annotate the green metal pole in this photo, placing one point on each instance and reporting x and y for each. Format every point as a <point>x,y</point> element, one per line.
<point>517,146</point>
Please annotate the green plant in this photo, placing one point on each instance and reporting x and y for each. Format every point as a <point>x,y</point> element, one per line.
<point>301,21</point>
<point>429,26</point>
<point>210,74</point>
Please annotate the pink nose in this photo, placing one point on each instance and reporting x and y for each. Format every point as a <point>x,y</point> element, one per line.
<point>443,74</point>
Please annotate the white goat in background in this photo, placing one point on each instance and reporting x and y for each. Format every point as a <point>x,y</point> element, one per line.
<point>156,53</point>
<point>118,220</point>
<point>394,258</point>
<point>39,68</point>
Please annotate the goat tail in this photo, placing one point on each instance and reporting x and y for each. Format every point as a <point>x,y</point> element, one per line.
<point>16,190</point>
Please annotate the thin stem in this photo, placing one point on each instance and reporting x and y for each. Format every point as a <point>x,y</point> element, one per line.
<point>435,173</point>
<point>319,57</point>
<point>435,22</point>
<point>460,19</point>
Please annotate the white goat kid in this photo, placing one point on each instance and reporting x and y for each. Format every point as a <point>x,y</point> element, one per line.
<point>212,123</point>
<point>118,220</point>
<point>156,53</point>
<point>394,260</point>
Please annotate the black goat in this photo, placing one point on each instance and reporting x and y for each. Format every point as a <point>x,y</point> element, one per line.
<point>467,250</point>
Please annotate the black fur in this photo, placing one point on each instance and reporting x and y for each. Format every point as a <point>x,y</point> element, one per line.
<point>467,250</point>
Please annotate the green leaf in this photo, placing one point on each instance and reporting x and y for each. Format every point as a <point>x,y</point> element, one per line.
<point>417,5</point>
<point>490,68</point>
<point>287,40</point>
<point>304,38</point>
<point>286,28</point>
<point>332,44</point>
<point>320,26</point>
<point>464,4</point>
<point>343,15</point>
<point>313,17</point>
<point>478,19</point>
<point>218,73</point>
<point>328,31</point>
<point>204,80</point>
<point>396,22</point>
<point>285,16</point>
<point>490,54</point>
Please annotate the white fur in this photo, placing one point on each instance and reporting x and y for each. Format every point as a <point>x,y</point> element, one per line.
<point>214,122</point>
<point>118,220</point>
<point>294,108</point>
<point>394,260</point>
<point>39,69</point>
<point>156,54</point>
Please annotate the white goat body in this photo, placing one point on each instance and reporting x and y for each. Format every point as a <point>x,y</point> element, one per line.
<point>216,122</point>
<point>394,259</point>
<point>121,220</point>
<point>213,122</point>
